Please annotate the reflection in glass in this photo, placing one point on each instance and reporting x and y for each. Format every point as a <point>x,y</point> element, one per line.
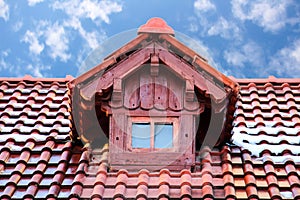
<point>163,135</point>
<point>140,135</point>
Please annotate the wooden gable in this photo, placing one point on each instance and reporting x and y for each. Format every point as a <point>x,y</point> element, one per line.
<point>152,77</point>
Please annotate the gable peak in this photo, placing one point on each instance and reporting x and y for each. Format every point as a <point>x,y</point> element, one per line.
<point>156,25</point>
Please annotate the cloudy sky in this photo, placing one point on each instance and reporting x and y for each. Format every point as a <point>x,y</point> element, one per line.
<point>241,38</point>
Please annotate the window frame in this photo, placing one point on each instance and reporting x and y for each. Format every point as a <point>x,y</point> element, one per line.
<point>152,120</point>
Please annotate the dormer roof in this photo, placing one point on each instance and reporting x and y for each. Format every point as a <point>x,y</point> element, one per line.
<point>156,31</point>
<point>154,44</point>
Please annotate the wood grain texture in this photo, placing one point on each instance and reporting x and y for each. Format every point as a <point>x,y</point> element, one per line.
<point>132,91</point>
<point>161,93</point>
<point>146,90</point>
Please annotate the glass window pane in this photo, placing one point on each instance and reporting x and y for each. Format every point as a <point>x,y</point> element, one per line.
<point>140,135</point>
<point>163,135</point>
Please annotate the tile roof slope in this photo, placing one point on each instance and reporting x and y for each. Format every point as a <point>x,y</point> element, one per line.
<point>38,160</point>
<point>266,127</point>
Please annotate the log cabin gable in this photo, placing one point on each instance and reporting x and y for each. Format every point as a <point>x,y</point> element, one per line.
<point>148,100</point>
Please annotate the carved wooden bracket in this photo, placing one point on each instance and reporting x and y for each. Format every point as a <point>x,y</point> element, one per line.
<point>154,65</point>
<point>117,94</point>
<point>189,90</point>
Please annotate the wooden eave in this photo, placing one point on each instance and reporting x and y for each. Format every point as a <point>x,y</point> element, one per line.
<point>122,69</point>
<point>138,58</point>
<point>200,62</point>
<point>109,60</point>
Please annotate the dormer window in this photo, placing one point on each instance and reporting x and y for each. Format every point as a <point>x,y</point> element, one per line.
<point>152,133</point>
<point>154,99</point>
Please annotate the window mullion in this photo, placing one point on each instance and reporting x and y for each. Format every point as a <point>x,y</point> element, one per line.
<point>152,134</point>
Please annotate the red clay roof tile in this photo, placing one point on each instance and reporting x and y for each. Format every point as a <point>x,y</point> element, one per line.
<point>37,158</point>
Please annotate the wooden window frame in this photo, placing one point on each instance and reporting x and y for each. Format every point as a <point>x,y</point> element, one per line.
<point>152,120</point>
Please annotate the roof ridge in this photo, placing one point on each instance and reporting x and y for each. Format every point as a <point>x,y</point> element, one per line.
<point>264,80</point>
<point>30,78</point>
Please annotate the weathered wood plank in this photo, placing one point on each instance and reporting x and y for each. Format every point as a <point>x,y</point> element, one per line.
<point>117,95</point>
<point>132,90</point>
<point>218,94</point>
<point>124,68</point>
<point>186,133</point>
<point>190,99</point>
<point>149,160</point>
<point>200,61</point>
<point>111,59</point>
<point>118,134</point>
<point>146,90</point>
<point>154,112</point>
<point>175,93</point>
<point>161,92</point>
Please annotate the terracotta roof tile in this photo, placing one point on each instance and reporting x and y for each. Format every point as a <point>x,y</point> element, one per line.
<point>38,160</point>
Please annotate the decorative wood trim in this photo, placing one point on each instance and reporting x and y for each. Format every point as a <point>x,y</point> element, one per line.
<point>200,61</point>
<point>180,67</point>
<point>153,112</point>
<point>161,95</point>
<point>189,90</point>
<point>146,91</point>
<point>117,94</point>
<point>154,70</point>
<point>111,59</point>
<point>120,71</point>
<point>124,68</point>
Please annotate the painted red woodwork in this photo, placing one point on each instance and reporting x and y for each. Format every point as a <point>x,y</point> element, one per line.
<point>154,75</point>
<point>161,96</point>
<point>156,25</point>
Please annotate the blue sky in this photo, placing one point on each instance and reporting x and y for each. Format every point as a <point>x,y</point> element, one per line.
<point>241,38</point>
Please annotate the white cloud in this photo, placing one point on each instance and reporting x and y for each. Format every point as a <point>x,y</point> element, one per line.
<point>17,26</point>
<point>34,45</point>
<point>57,40</point>
<point>33,2</point>
<point>204,5</point>
<point>193,27</point>
<point>201,49</point>
<point>4,10</point>
<point>94,10</point>
<point>225,29</point>
<point>21,67</point>
<point>92,38</point>
<point>6,66</point>
<point>48,36</point>
<point>97,11</point>
<point>286,61</point>
<point>211,23</point>
<point>37,71</point>
<point>249,53</point>
<point>5,53</point>
<point>3,63</point>
<point>269,14</point>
